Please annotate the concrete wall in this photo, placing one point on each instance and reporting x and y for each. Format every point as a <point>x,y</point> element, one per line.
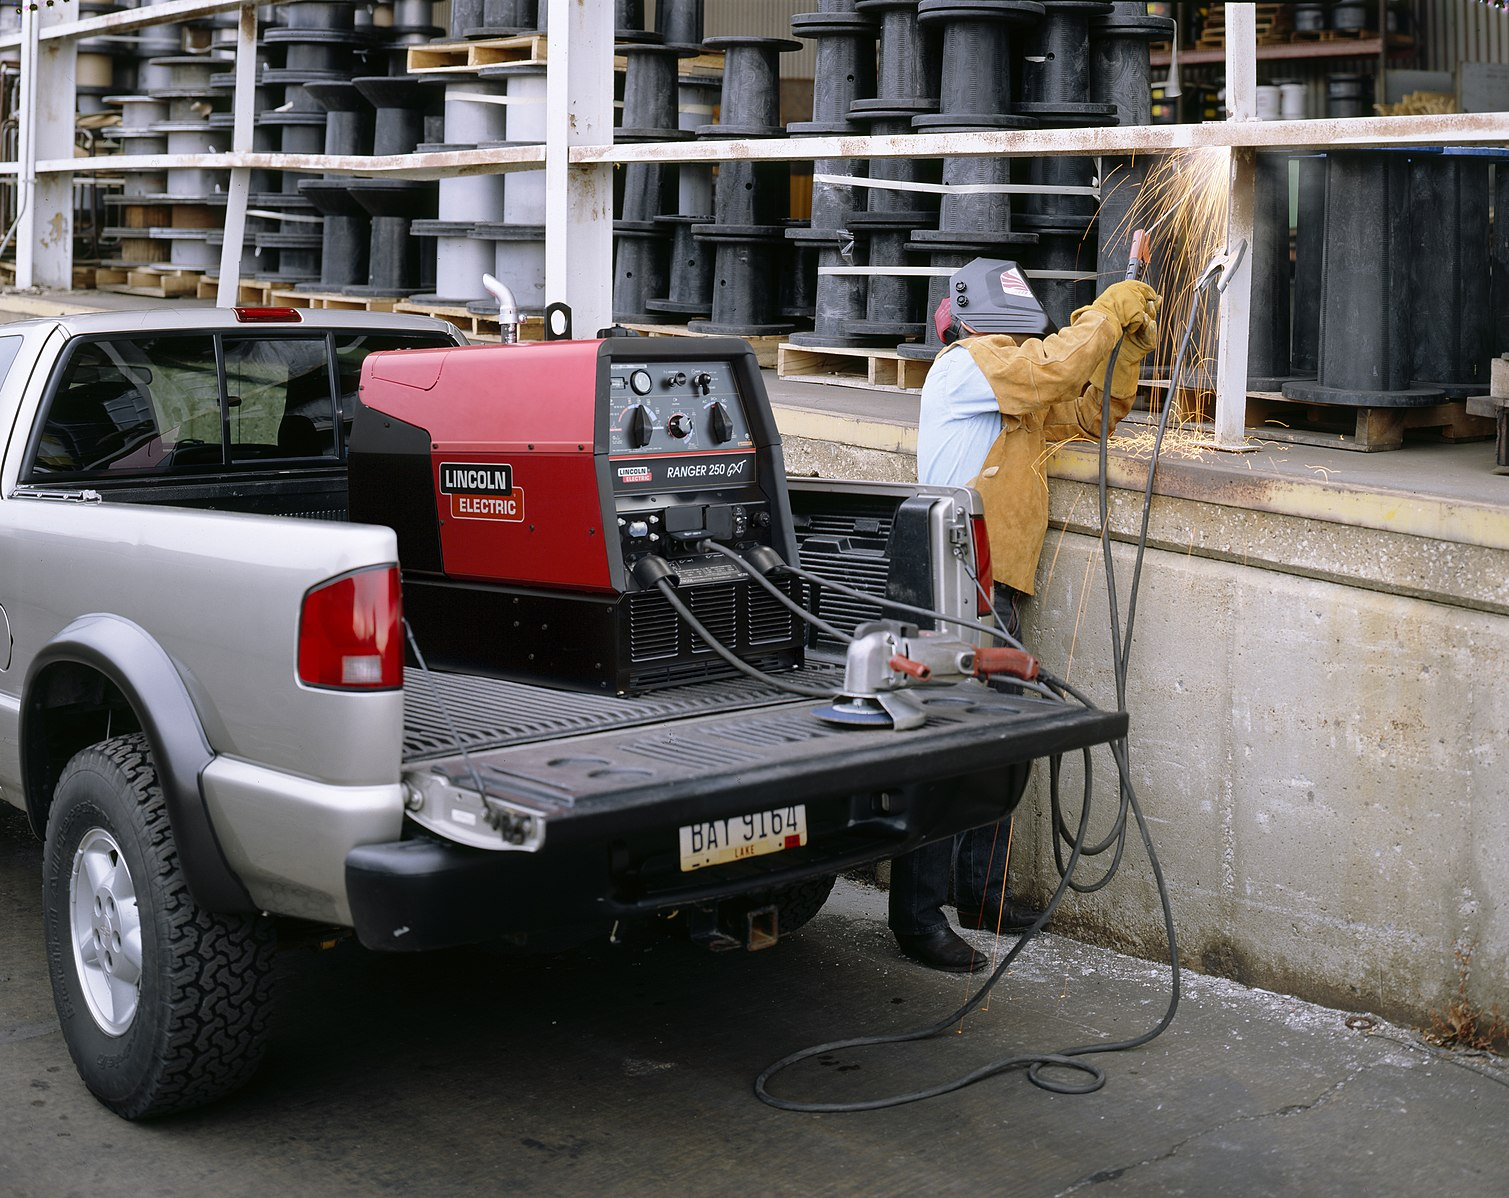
<point>1320,740</point>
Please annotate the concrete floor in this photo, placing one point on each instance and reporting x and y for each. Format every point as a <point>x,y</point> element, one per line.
<point>628,1072</point>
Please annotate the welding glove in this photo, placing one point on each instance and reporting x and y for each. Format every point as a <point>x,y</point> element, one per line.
<point>1130,303</point>
<point>1140,340</point>
<point>1134,306</point>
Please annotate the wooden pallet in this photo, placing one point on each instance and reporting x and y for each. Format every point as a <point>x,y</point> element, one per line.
<point>339,303</point>
<point>1273,26</point>
<point>153,283</point>
<point>252,293</point>
<point>878,369</point>
<point>764,347</point>
<point>1333,35</point>
<point>467,57</point>
<point>1270,417</point>
<point>457,57</point>
<point>477,326</point>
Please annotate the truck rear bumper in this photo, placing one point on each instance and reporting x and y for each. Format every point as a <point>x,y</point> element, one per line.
<point>613,854</point>
<point>425,893</point>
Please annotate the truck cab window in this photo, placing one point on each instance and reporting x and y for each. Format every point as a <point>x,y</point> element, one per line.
<point>139,406</point>
<point>278,398</point>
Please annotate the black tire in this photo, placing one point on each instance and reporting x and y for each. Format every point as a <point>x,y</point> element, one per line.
<point>197,1027</point>
<point>797,904</point>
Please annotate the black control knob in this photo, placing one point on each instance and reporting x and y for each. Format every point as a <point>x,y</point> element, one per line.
<point>720,425</point>
<point>679,425</point>
<point>702,381</point>
<point>676,378</point>
<point>640,426</point>
<point>640,382</point>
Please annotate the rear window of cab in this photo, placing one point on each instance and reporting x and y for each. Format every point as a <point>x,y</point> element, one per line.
<point>174,403</point>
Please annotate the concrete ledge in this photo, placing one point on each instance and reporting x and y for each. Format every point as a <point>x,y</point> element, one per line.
<point>60,303</point>
<point>1384,560</point>
<point>1255,485</point>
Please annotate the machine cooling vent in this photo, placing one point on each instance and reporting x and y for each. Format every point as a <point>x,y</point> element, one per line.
<point>654,628</point>
<point>717,608</point>
<point>769,621</point>
<point>846,541</point>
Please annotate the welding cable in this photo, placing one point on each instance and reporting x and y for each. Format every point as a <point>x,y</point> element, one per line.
<point>895,605</point>
<point>1069,1058</point>
<point>1121,643</point>
<point>1147,492</point>
<point>786,601</point>
<point>1031,1061</point>
<point>1034,1063</point>
<point>717,646</point>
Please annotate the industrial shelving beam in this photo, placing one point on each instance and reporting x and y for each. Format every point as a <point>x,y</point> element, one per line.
<point>578,155</point>
<point>1236,293</point>
<point>241,140</point>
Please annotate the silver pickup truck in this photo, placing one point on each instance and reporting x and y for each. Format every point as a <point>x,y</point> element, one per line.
<point>206,711</point>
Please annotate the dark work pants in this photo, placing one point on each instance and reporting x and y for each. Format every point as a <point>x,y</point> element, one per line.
<point>976,861</point>
<point>969,869</point>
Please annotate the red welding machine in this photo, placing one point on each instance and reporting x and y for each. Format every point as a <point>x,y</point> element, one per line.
<point>526,481</point>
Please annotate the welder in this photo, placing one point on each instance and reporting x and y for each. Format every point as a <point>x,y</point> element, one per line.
<point>991,405</point>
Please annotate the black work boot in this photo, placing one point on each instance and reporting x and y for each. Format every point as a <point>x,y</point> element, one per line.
<point>944,949</point>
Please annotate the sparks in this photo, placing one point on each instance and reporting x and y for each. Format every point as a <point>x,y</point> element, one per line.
<point>1183,202</point>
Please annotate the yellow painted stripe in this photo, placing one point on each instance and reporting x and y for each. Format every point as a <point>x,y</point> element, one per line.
<point>846,430</point>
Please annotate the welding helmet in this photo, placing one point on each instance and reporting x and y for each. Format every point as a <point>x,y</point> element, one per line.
<point>991,295</point>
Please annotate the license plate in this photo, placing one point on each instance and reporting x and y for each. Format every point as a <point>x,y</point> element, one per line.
<point>723,840</point>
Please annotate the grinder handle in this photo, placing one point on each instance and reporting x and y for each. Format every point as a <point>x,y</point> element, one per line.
<point>1003,660</point>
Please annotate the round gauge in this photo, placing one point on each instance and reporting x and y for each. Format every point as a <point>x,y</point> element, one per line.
<point>640,382</point>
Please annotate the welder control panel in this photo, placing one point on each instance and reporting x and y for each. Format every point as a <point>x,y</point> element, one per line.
<point>675,407</point>
<point>685,460</point>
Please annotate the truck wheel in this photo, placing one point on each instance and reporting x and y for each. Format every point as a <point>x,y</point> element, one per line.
<point>797,904</point>
<point>163,1006</point>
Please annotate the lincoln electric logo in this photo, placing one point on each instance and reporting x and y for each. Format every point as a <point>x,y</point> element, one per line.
<point>635,474</point>
<point>482,491</point>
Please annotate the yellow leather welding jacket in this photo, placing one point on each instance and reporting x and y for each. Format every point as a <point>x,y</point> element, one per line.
<point>1049,391</point>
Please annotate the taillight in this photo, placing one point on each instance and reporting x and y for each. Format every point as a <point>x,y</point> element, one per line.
<point>351,632</point>
<point>983,571</point>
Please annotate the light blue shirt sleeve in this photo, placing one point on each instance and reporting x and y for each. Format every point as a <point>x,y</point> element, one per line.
<point>959,421</point>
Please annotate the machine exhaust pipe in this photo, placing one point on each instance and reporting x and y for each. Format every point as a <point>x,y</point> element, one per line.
<point>508,308</point>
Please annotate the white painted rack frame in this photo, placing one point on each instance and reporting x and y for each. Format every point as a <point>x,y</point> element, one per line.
<point>578,155</point>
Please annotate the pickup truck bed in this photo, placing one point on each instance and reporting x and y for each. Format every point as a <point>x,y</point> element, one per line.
<point>597,770</point>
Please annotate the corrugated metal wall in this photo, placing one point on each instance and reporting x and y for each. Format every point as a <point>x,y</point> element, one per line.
<point>1453,31</point>
<point>763,18</point>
